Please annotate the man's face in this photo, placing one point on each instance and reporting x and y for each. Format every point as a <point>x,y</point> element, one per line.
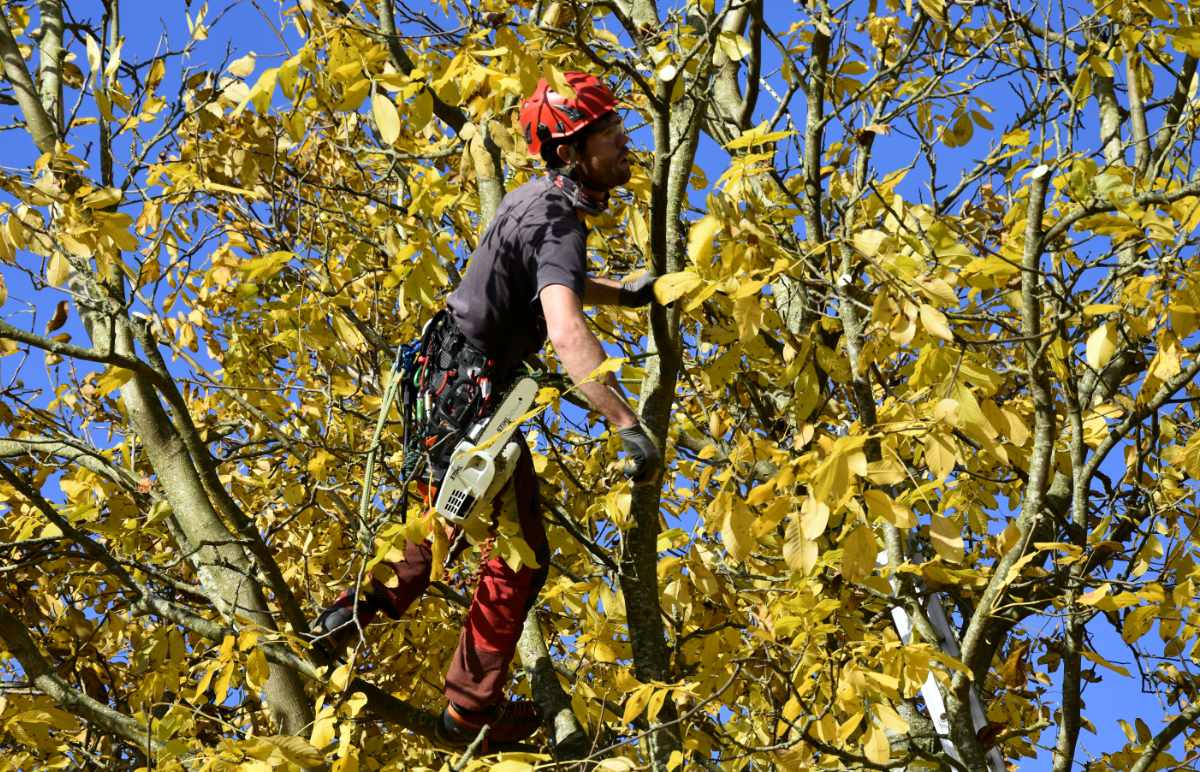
<point>604,158</point>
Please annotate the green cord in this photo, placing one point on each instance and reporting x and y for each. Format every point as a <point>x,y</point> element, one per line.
<point>365,537</point>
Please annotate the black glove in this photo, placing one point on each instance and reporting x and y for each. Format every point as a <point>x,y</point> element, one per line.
<point>644,458</point>
<point>637,292</point>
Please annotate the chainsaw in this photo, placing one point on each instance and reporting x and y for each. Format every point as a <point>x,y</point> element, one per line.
<point>484,460</point>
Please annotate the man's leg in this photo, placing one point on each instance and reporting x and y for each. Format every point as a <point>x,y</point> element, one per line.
<point>412,578</point>
<point>479,671</point>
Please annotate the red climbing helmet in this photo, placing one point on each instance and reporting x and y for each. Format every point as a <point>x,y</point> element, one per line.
<point>547,115</point>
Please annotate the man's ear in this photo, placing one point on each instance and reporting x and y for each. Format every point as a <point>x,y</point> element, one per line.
<point>567,154</point>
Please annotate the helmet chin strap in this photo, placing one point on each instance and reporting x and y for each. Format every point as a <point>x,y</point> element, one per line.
<point>583,197</point>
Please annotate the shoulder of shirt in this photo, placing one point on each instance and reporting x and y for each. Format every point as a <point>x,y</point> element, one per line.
<point>541,193</point>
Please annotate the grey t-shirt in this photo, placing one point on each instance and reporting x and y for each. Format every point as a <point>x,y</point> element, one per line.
<point>535,240</point>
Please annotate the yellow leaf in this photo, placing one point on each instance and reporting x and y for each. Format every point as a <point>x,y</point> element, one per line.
<point>799,553</point>
<point>891,720</point>
<point>882,506</point>
<point>323,728</point>
<point>546,395</point>
<point>869,241</point>
<point>1187,39</point>
<point>260,94</point>
<point>93,56</point>
<point>257,670</point>
<point>221,689</point>
<point>1138,623</point>
<point>247,640</point>
<point>610,365</point>
<point>876,747</point>
<point>747,289</point>
<point>757,136</point>
<point>421,109</point>
<point>558,83</point>
<point>885,472</point>
<point>355,704</point>
<point>240,68</point>
<point>831,479</point>
<point>202,685</point>
<point>815,516</point>
<point>58,270</point>
<point>760,493</point>
<point>386,117</point>
<point>296,750</point>
<point>1101,345</point>
<point>850,725</point>
<point>734,45</point>
<point>1094,657</point>
<point>947,539</point>
<point>637,703</point>
<point>114,60</point>
<point>748,314</point>
<point>940,455</point>
<point>736,530</point>
<point>934,322</point>
<point>617,764</point>
<point>858,554</point>
<point>670,287</point>
<point>348,333</point>
<point>656,703</point>
<point>1092,597</point>
<point>339,679</point>
<point>102,198</point>
<point>700,238</point>
<point>112,379</point>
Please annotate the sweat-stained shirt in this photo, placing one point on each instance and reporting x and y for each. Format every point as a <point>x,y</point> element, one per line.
<point>536,239</point>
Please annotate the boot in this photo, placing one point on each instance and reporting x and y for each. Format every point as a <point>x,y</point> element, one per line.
<point>509,722</point>
<point>335,628</point>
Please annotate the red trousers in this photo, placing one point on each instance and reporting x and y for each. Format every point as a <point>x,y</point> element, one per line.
<point>503,597</point>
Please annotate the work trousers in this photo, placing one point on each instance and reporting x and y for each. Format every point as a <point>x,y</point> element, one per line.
<point>502,598</point>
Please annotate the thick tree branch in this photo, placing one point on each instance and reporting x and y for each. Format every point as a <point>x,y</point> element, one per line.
<point>110,357</point>
<point>37,121</point>
<point>1161,741</point>
<point>68,451</point>
<point>974,643</point>
<point>42,675</point>
<point>50,47</point>
<point>1056,231</point>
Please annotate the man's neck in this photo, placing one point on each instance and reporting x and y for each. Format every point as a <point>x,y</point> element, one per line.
<point>586,200</point>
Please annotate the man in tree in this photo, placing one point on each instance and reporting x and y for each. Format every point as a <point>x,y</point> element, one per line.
<point>526,281</point>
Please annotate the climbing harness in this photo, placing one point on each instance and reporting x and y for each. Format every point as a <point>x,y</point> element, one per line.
<point>451,385</point>
<point>448,391</point>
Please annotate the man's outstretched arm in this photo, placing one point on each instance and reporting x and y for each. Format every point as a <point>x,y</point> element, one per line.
<point>581,354</point>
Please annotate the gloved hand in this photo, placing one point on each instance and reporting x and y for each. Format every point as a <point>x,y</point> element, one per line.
<point>644,458</point>
<point>637,292</point>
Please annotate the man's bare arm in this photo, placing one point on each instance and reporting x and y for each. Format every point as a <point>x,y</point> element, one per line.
<point>581,353</point>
